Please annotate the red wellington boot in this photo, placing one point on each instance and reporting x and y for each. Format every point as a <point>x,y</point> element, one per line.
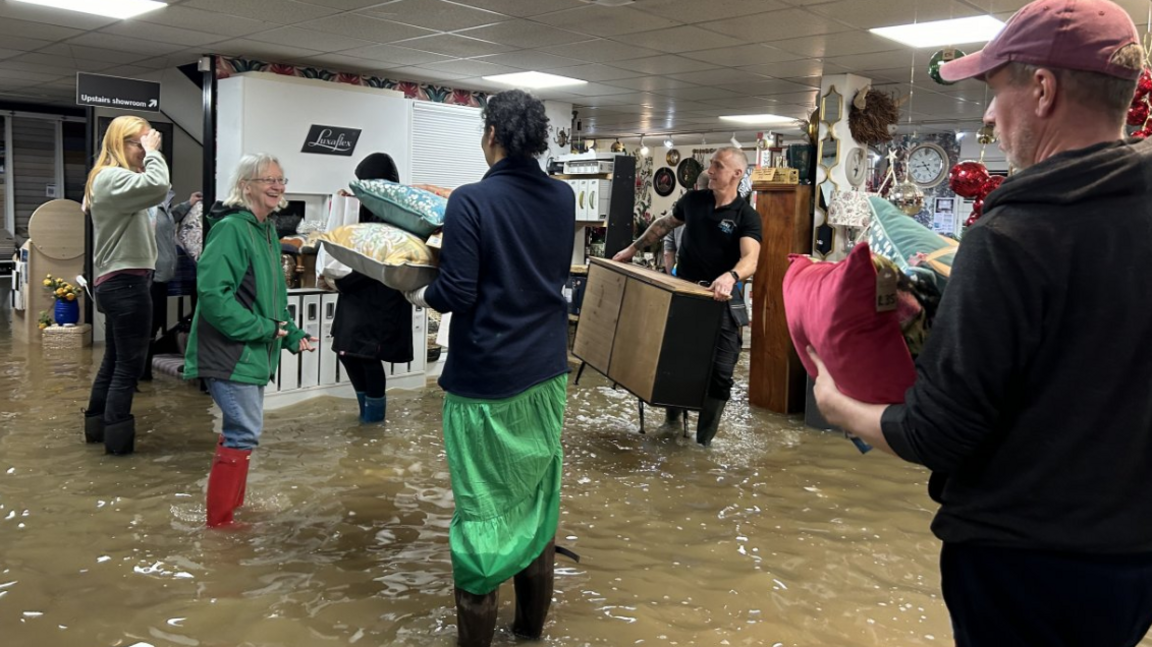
<point>243,480</point>
<point>225,483</point>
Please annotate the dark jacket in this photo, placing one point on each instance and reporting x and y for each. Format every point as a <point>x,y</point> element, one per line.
<point>372,320</point>
<point>242,297</point>
<point>506,255</point>
<point>1033,402</point>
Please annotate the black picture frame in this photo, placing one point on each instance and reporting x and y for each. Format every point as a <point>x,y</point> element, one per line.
<point>664,182</point>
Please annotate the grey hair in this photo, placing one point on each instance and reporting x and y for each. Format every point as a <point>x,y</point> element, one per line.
<point>1109,94</point>
<point>736,155</point>
<point>248,169</point>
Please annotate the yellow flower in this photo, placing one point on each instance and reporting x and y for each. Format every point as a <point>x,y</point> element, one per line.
<point>47,283</point>
<point>59,292</point>
<point>49,276</point>
<point>43,326</point>
<point>71,297</point>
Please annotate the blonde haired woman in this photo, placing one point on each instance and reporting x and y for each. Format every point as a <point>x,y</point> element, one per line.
<point>241,322</point>
<point>130,176</point>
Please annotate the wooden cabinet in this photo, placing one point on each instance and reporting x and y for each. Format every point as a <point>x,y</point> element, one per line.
<point>776,376</point>
<point>652,334</point>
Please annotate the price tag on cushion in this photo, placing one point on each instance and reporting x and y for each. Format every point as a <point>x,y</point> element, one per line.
<point>885,289</point>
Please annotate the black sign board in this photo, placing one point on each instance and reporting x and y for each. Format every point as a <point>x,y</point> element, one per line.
<point>331,140</point>
<point>117,92</point>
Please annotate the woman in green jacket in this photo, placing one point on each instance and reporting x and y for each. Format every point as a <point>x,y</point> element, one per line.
<point>241,322</point>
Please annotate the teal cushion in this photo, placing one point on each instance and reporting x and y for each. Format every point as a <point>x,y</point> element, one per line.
<point>414,210</point>
<point>899,237</point>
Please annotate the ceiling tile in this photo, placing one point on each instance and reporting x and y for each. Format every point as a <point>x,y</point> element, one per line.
<point>680,39</point>
<point>347,5</point>
<point>365,28</point>
<point>776,25</point>
<point>606,21</point>
<point>314,40</point>
<point>600,51</point>
<point>284,12</point>
<point>396,55</point>
<point>26,29</point>
<point>596,90</point>
<point>525,8</point>
<point>1007,5</point>
<point>743,55</point>
<point>695,11</point>
<point>804,98</point>
<point>614,101</point>
<point>434,14</point>
<point>23,44</point>
<point>883,60</point>
<point>423,74</point>
<point>765,87</point>
<point>842,44</point>
<point>64,64</point>
<point>68,50</point>
<point>160,33</point>
<point>722,76</point>
<point>595,72</point>
<point>666,64</point>
<point>9,53</point>
<point>699,94</point>
<point>267,52</point>
<point>531,61</point>
<point>803,67</point>
<point>453,45</point>
<point>125,44</point>
<point>129,71</point>
<point>73,19</point>
<point>470,67</point>
<point>867,14</point>
<point>649,83</point>
<point>739,103</point>
<point>342,63</point>
<point>206,21</point>
<point>28,72</point>
<point>523,33</point>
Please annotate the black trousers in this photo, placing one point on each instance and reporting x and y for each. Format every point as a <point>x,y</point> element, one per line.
<point>126,302</point>
<point>367,375</point>
<point>1020,598</point>
<point>724,362</point>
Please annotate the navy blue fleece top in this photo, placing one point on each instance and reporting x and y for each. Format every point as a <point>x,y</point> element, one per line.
<point>505,258</point>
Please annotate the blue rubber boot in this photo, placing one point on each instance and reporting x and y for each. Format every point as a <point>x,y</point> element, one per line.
<point>374,409</point>
<point>360,401</point>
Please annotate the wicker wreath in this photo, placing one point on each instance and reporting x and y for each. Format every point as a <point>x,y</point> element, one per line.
<point>871,114</point>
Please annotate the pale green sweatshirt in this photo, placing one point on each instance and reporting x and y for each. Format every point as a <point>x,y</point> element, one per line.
<point>124,237</point>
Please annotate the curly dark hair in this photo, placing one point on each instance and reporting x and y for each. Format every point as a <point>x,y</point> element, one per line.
<point>520,123</point>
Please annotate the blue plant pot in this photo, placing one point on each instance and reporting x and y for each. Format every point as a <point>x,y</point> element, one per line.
<point>66,312</point>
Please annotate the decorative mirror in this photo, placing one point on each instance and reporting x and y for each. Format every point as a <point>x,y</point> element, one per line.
<point>829,151</point>
<point>831,106</point>
<point>824,192</point>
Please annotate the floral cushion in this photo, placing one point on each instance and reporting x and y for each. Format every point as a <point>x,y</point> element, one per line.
<point>414,210</point>
<point>388,254</point>
<point>914,248</point>
<point>190,232</point>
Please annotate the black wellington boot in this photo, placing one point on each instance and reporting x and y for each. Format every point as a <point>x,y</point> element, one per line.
<point>120,438</point>
<point>475,618</point>
<point>534,594</point>
<point>709,421</point>
<point>93,427</point>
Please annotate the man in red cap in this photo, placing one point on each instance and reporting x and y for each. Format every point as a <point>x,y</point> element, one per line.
<point>1033,401</point>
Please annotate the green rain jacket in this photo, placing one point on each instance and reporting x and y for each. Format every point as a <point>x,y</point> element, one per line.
<point>242,297</point>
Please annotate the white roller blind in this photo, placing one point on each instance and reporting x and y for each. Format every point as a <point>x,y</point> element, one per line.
<point>446,144</point>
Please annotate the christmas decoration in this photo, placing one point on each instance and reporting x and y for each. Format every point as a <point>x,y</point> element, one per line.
<point>986,135</point>
<point>971,220</point>
<point>967,178</point>
<point>1141,107</point>
<point>1138,113</point>
<point>939,58</point>
<point>907,197</point>
<point>1144,84</point>
<point>991,185</point>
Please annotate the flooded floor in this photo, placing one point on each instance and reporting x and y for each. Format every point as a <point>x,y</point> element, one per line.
<point>777,536</point>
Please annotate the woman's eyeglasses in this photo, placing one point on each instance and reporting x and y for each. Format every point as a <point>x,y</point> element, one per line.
<point>134,142</point>
<point>282,181</point>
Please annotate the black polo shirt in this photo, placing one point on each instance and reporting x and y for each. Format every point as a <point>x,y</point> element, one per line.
<point>711,243</point>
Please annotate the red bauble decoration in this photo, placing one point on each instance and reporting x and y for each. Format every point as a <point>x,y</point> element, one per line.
<point>1138,114</point>
<point>977,209</point>
<point>967,178</point>
<point>971,220</point>
<point>1144,84</point>
<point>991,185</point>
<point>1140,134</point>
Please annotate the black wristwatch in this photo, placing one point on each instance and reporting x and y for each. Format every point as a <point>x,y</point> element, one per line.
<point>734,275</point>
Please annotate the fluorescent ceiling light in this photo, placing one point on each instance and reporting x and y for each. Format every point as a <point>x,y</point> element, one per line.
<point>758,119</point>
<point>939,33</point>
<point>534,80</point>
<point>108,8</point>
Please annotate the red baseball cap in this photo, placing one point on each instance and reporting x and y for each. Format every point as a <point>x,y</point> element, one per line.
<point>1068,34</point>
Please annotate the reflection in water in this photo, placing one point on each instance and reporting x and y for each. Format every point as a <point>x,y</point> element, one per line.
<point>778,535</point>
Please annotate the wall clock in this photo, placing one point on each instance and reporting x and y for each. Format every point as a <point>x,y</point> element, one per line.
<point>856,166</point>
<point>927,165</point>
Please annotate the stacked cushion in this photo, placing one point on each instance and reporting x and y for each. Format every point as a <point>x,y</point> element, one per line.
<point>414,210</point>
<point>914,248</point>
<point>388,254</point>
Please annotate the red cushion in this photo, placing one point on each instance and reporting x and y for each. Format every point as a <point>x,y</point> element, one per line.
<point>832,307</point>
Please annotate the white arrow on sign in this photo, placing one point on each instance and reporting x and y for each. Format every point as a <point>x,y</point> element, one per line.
<point>152,103</point>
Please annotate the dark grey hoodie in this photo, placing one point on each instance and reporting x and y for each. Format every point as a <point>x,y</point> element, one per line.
<point>1033,403</point>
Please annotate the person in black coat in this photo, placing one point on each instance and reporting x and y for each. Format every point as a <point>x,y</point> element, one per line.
<point>373,322</point>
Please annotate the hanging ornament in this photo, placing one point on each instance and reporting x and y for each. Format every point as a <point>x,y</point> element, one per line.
<point>1141,134</point>
<point>907,197</point>
<point>986,135</point>
<point>977,208</point>
<point>617,147</point>
<point>939,58</point>
<point>991,185</point>
<point>971,220</point>
<point>967,178</point>
<point>1138,114</point>
<point>1144,83</point>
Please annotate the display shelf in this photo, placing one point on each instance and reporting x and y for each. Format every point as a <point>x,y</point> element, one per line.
<point>583,176</point>
<point>591,223</point>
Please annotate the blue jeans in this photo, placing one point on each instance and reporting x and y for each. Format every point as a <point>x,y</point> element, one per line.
<point>243,409</point>
<point>126,302</point>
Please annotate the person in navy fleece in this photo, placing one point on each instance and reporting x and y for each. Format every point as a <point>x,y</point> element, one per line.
<point>503,265</point>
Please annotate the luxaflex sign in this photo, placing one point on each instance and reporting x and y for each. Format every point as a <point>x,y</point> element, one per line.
<point>331,140</point>
<point>118,92</point>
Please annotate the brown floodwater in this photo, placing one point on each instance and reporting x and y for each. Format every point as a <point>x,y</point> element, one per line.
<point>778,535</point>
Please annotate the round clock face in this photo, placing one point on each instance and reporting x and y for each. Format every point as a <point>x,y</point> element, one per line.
<point>927,165</point>
<point>856,166</point>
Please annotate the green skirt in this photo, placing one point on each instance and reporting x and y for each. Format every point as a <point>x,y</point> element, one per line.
<point>506,462</point>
